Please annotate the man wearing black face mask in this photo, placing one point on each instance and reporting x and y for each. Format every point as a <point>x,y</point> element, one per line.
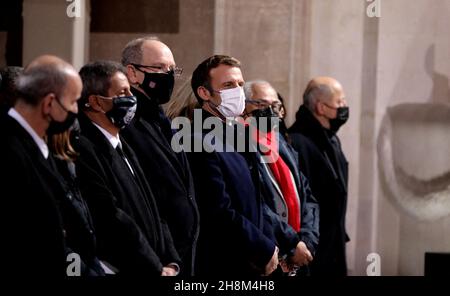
<point>313,135</point>
<point>286,190</point>
<point>131,235</point>
<point>151,71</point>
<point>48,90</point>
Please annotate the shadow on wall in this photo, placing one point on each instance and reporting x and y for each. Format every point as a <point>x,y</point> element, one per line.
<point>414,159</point>
<point>414,151</point>
<point>440,92</point>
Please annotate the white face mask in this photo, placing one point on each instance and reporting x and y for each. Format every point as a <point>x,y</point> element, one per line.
<point>233,102</point>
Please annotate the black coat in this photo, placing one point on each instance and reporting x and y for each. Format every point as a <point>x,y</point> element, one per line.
<point>326,168</point>
<point>169,176</point>
<point>31,228</point>
<point>236,237</point>
<point>130,234</point>
<point>77,222</point>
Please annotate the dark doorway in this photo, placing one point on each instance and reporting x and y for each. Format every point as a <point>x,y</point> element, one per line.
<point>137,16</point>
<point>11,22</point>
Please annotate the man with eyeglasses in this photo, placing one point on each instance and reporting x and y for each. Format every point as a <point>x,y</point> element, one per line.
<point>151,71</point>
<point>314,136</point>
<point>287,191</point>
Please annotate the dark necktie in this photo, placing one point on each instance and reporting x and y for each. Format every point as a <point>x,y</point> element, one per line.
<point>122,154</point>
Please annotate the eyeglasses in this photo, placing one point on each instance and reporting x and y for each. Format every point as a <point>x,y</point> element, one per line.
<point>334,108</point>
<point>260,103</point>
<point>177,71</point>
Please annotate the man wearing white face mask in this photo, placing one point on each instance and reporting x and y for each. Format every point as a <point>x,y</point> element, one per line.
<point>224,97</point>
<point>232,101</point>
<point>236,237</point>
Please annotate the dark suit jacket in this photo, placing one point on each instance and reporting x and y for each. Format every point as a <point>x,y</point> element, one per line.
<point>235,237</point>
<point>169,176</point>
<point>130,234</point>
<point>31,228</point>
<point>327,171</point>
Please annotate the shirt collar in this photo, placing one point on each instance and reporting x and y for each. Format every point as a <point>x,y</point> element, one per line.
<point>38,140</point>
<point>114,140</point>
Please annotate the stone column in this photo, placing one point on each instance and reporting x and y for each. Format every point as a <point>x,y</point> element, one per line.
<point>56,27</point>
<point>271,39</point>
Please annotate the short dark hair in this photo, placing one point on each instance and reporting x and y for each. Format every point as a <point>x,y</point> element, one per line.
<point>8,91</point>
<point>201,75</point>
<point>35,82</point>
<point>96,77</point>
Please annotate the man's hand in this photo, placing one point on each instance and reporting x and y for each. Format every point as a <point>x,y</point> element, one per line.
<point>169,271</point>
<point>302,256</point>
<point>273,263</point>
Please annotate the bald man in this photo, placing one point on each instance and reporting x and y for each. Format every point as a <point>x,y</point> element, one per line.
<point>151,71</point>
<point>33,239</point>
<point>313,135</point>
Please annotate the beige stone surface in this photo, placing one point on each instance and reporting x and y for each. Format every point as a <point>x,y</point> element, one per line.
<point>190,46</point>
<point>49,30</point>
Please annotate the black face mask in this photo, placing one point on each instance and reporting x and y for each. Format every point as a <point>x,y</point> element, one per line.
<point>158,86</point>
<point>270,115</point>
<point>342,115</point>
<point>57,127</point>
<point>123,110</point>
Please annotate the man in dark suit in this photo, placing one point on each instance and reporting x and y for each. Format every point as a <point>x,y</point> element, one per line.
<point>236,237</point>
<point>287,189</point>
<point>33,238</point>
<point>313,135</point>
<point>150,62</point>
<point>131,236</point>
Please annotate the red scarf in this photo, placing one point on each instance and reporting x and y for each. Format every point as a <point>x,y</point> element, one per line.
<point>283,177</point>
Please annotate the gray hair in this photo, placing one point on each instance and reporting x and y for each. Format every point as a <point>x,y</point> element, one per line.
<point>248,87</point>
<point>315,94</point>
<point>132,53</point>
<point>96,77</point>
<point>36,82</point>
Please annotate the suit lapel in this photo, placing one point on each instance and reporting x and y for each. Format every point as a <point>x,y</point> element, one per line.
<point>159,138</point>
<point>90,131</point>
<point>31,146</point>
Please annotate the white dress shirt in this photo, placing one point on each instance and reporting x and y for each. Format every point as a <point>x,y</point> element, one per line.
<point>115,141</point>
<point>38,140</point>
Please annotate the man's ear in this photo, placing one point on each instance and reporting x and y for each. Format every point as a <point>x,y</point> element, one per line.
<point>319,108</point>
<point>132,75</point>
<point>204,93</point>
<point>47,102</point>
<point>93,104</point>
